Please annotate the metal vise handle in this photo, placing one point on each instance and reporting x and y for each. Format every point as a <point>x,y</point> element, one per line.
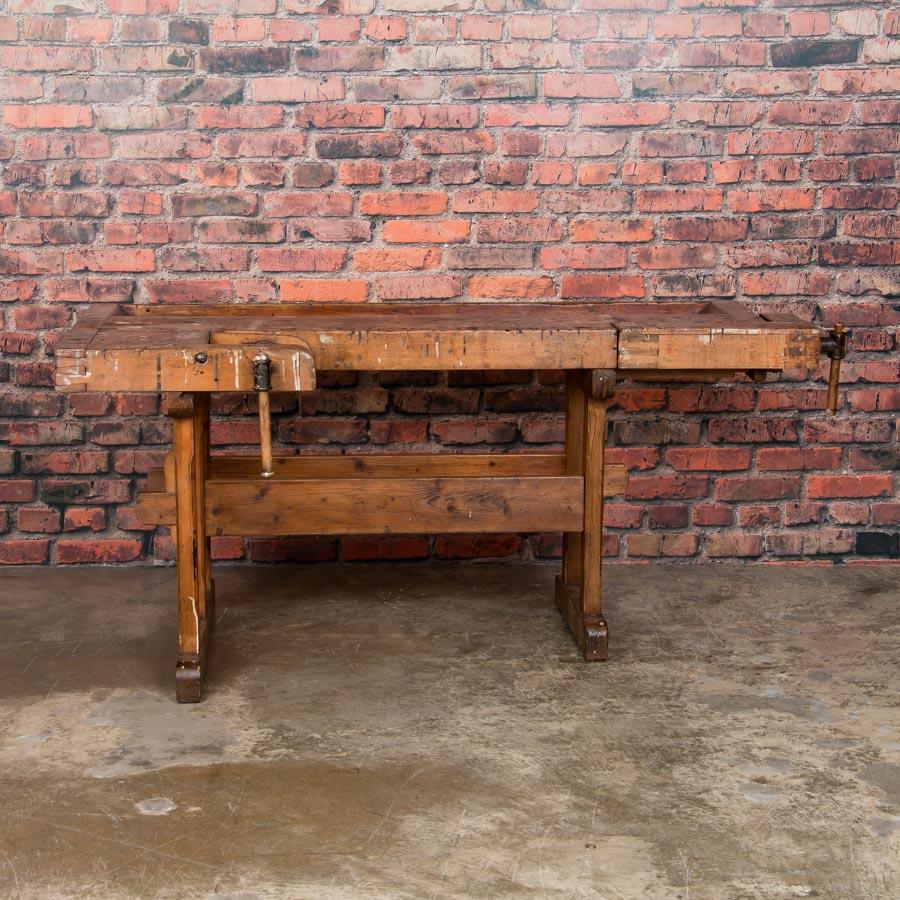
<point>834,346</point>
<point>262,384</point>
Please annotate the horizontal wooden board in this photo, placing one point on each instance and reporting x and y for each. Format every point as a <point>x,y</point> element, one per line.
<point>442,349</point>
<point>225,368</point>
<point>387,504</point>
<point>388,316</point>
<point>653,347</point>
<point>358,336</point>
<point>393,465</point>
<point>394,506</point>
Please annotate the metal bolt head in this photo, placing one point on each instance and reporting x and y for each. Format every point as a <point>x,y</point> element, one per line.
<point>201,357</point>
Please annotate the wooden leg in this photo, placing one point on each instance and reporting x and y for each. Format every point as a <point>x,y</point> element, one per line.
<point>196,596</point>
<point>579,590</point>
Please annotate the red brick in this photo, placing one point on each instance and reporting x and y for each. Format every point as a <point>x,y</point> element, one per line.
<point>97,550</point>
<point>621,515</point>
<point>581,85</point>
<point>24,552</point>
<point>510,286</point>
<point>40,519</point>
<point>638,545</point>
<point>466,546</point>
<point>139,260</point>
<point>612,230</point>
<point>752,430</point>
<point>384,547</point>
<point>712,514</point>
<point>821,541</point>
<point>477,431</point>
<point>712,459</point>
<point>652,487</point>
<point>801,513</point>
<point>822,486</point>
<point>841,431</point>
<point>667,516</point>
<point>849,513</point>
<point>392,28</point>
<point>300,259</point>
<point>757,487</point>
<point>324,289</point>
<point>81,518</point>
<point>292,549</point>
<point>418,287</point>
<point>408,203</point>
<point>364,171</point>
<point>399,431</point>
<point>679,200</point>
<point>675,257</point>
<point>793,458</point>
<point>399,231</point>
<point>603,257</point>
<point>612,286</point>
<point>669,149</point>
<point>886,513</point>
<point>723,544</point>
<point>46,115</point>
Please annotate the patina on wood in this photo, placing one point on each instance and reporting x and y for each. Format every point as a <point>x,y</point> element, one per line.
<point>195,350</point>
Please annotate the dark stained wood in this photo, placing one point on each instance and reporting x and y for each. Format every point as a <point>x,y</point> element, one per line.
<point>590,630</point>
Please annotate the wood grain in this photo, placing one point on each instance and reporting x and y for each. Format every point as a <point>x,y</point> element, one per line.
<point>151,348</point>
<point>199,368</point>
<point>158,507</point>
<point>394,506</point>
<point>659,347</point>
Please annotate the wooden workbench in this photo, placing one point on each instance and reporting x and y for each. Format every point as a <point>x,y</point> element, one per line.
<point>187,352</point>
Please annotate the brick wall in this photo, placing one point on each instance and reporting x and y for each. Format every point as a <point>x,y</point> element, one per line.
<point>163,151</point>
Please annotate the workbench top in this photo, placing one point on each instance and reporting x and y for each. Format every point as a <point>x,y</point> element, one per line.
<point>131,347</point>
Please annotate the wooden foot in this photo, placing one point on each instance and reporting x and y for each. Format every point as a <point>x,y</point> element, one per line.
<point>590,631</point>
<point>190,668</point>
<point>188,681</point>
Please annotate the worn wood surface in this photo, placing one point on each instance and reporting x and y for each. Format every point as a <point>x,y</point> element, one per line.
<point>662,347</point>
<point>152,348</point>
<point>194,366</point>
<point>356,336</point>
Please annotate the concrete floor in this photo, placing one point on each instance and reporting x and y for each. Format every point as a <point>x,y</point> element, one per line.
<point>427,731</point>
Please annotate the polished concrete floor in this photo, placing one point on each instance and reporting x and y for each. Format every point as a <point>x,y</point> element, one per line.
<point>425,731</point>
